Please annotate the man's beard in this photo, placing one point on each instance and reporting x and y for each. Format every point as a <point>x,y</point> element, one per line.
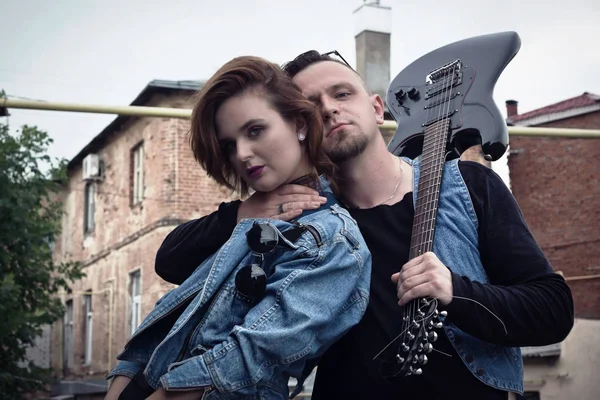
<point>347,147</point>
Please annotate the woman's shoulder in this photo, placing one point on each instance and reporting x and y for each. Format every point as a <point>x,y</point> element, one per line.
<point>329,221</point>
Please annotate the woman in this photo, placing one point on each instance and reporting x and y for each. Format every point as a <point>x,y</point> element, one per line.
<point>277,294</point>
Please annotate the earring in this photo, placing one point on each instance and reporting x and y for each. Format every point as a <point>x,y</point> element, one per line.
<point>301,136</point>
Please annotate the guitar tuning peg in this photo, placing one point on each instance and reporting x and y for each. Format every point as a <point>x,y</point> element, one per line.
<point>423,359</point>
<point>433,336</point>
<point>428,348</point>
<point>399,359</point>
<point>418,371</point>
<point>444,313</point>
<point>404,347</point>
<point>435,324</point>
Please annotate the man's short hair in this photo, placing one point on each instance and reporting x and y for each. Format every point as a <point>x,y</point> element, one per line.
<point>304,60</point>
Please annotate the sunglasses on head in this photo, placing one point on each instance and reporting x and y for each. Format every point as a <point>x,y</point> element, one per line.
<point>306,58</point>
<point>336,54</point>
<point>251,280</point>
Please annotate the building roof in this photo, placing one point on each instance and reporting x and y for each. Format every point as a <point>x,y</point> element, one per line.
<point>582,104</point>
<point>152,88</point>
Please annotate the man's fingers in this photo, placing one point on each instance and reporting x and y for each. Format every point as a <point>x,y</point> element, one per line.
<point>405,286</point>
<point>419,264</point>
<point>412,263</point>
<point>286,216</point>
<point>422,290</point>
<point>409,272</point>
<point>300,205</point>
<point>298,198</point>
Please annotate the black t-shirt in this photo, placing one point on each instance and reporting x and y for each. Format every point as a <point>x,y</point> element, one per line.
<point>534,304</point>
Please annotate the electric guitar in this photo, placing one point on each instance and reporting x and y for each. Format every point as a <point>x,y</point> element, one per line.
<point>443,105</point>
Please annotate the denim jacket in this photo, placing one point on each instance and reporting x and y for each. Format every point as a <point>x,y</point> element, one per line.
<point>456,244</point>
<point>205,334</point>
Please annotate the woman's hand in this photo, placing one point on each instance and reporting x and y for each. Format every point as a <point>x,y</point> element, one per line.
<point>116,387</point>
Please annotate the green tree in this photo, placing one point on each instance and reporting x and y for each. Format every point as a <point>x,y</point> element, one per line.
<point>30,217</point>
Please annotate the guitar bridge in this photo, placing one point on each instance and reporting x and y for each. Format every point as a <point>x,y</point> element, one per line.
<point>442,79</point>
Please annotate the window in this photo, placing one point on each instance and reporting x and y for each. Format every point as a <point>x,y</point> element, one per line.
<point>135,294</point>
<point>137,173</point>
<point>68,336</point>
<point>88,315</point>
<point>88,207</point>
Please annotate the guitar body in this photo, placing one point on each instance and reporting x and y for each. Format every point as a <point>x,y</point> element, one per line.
<point>468,104</point>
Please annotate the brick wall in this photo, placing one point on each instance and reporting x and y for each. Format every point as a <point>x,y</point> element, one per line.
<point>126,237</point>
<point>556,182</point>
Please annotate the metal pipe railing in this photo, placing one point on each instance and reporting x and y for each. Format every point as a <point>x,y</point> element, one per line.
<point>165,112</point>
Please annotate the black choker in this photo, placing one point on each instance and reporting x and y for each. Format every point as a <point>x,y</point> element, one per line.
<point>306,180</point>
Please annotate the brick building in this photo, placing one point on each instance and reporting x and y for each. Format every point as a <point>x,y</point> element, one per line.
<point>126,190</point>
<point>556,181</point>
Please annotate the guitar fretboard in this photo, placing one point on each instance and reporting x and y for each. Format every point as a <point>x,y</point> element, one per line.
<point>432,164</point>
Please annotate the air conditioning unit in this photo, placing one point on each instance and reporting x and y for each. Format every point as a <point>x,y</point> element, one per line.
<point>91,167</point>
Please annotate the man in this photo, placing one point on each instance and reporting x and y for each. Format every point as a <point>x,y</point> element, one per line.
<point>510,296</point>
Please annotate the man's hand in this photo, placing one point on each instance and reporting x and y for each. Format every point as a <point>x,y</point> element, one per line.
<point>285,203</point>
<point>424,276</point>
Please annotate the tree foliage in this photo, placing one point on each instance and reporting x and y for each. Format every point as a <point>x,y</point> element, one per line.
<point>30,219</point>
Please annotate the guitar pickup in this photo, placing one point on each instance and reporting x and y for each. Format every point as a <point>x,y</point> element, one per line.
<point>439,118</point>
<point>441,101</point>
<point>443,87</point>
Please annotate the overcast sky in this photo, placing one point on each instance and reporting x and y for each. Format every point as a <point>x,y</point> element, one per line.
<point>105,52</point>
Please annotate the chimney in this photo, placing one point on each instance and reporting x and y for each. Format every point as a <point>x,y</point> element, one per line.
<point>373,28</point>
<point>511,108</point>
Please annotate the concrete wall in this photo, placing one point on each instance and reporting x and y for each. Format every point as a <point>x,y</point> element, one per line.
<point>574,375</point>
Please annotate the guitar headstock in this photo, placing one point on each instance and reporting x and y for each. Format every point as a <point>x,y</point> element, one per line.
<point>420,320</point>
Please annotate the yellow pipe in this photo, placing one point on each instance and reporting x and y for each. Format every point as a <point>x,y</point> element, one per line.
<point>186,113</point>
<point>530,131</point>
<point>582,277</point>
<point>97,109</point>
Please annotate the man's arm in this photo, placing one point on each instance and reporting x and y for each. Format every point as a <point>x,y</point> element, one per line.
<point>189,244</point>
<point>532,301</point>
<point>525,304</point>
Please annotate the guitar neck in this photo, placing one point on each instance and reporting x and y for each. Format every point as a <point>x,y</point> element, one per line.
<point>432,165</point>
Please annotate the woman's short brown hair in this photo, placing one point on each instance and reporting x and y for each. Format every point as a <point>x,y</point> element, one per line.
<point>240,75</point>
